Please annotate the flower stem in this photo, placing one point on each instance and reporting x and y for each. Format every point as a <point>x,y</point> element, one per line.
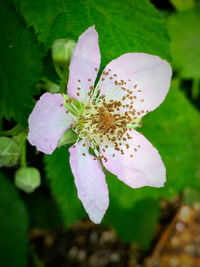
<point>23,152</point>
<point>14,131</point>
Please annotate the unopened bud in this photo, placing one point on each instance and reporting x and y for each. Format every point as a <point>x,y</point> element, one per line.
<point>27,179</point>
<point>62,51</point>
<point>9,152</point>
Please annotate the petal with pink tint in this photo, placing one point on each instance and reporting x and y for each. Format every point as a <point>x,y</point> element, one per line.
<point>47,122</point>
<point>84,65</point>
<point>90,181</point>
<point>146,76</point>
<point>141,164</point>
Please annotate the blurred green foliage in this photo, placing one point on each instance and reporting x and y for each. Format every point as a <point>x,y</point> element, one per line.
<point>21,65</point>
<point>184,31</point>
<point>28,30</point>
<point>13,226</point>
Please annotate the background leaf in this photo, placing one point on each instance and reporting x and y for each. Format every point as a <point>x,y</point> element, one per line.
<point>184,31</point>
<point>20,58</point>
<point>131,27</point>
<point>13,226</point>
<point>62,185</point>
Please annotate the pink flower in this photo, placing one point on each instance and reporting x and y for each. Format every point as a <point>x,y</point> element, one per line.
<point>129,87</point>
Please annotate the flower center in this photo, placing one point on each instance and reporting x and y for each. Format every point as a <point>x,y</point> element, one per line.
<point>105,123</point>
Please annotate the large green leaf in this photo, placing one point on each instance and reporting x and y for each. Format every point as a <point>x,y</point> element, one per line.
<point>184,31</point>
<point>123,27</point>
<point>136,223</point>
<point>20,58</point>
<point>62,185</point>
<point>13,226</point>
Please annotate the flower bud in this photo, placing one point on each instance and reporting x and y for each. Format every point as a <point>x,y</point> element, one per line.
<point>51,86</point>
<point>62,50</point>
<point>27,179</point>
<point>9,152</point>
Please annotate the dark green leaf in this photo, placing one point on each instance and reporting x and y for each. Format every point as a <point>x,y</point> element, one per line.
<point>20,58</point>
<point>62,185</point>
<point>13,226</point>
<point>42,210</point>
<point>174,128</point>
<point>133,219</point>
<point>123,27</point>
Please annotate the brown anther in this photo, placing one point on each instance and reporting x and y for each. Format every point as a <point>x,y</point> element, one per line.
<point>135,149</point>
<point>95,69</point>
<point>89,80</point>
<point>79,81</point>
<point>78,94</point>
<point>142,100</point>
<point>61,105</point>
<point>84,144</point>
<point>135,85</point>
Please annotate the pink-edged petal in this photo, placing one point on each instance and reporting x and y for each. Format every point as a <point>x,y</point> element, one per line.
<point>90,181</point>
<point>146,76</point>
<point>141,164</point>
<point>84,65</point>
<point>47,122</point>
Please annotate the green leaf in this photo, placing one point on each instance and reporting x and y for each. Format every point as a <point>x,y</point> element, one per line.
<point>174,128</point>
<point>182,5</point>
<point>20,65</point>
<point>13,226</point>
<point>134,26</point>
<point>134,224</point>
<point>191,196</point>
<point>62,185</point>
<point>184,31</point>
<point>42,209</point>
